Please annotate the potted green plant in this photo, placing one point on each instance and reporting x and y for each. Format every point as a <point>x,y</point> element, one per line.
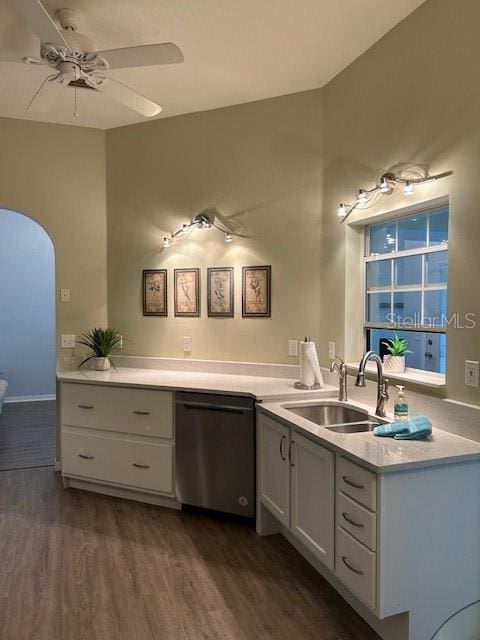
<point>101,342</point>
<point>394,362</point>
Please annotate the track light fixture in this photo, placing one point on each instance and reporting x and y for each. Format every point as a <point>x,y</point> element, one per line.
<point>386,185</point>
<point>200,221</point>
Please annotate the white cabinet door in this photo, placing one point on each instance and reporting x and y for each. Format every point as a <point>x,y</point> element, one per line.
<point>313,496</point>
<point>275,468</point>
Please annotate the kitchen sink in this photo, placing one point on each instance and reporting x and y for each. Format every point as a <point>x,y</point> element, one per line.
<point>336,417</point>
<point>355,427</point>
<point>329,413</point>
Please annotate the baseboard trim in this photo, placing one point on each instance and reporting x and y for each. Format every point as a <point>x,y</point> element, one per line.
<point>120,492</point>
<point>13,399</point>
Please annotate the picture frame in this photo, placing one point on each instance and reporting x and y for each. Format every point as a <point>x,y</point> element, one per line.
<point>220,292</point>
<point>155,292</point>
<point>186,289</point>
<point>256,291</point>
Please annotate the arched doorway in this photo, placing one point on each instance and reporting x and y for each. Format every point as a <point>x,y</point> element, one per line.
<point>27,343</point>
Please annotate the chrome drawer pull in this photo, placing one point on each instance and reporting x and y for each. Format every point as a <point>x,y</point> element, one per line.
<point>141,413</point>
<point>284,438</point>
<point>140,466</point>
<point>85,406</point>
<point>291,461</point>
<point>352,522</point>
<point>347,480</point>
<point>85,457</point>
<point>349,566</point>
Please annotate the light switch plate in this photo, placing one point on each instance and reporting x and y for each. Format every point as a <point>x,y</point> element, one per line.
<point>68,341</point>
<point>331,350</point>
<point>293,348</point>
<point>471,373</point>
<point>187,344</point>
<point>64,295</point>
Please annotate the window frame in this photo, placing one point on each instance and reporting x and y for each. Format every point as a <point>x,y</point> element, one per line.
<point>423,287</point>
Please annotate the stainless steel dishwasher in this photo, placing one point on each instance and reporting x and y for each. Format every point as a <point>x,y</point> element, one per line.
<point>215,452</point>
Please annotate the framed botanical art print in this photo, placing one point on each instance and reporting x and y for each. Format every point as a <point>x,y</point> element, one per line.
<point>220,292</point>
<point>186,290</point>
<point>155,292</point>
<point>256,292</point>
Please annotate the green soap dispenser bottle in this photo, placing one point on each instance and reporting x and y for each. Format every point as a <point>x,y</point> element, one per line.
<point>401,405</point>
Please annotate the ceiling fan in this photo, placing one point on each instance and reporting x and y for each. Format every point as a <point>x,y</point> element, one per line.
<point>77,63</point>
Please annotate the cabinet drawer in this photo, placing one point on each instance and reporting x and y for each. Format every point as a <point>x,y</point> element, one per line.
<point>137,411</point>
<point>143,465</point>
<point>357,520</point>
<point>357,482</point>
<point>355,565</point>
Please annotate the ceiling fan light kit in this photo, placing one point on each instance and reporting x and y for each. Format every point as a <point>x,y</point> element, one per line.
<point>77,63</point>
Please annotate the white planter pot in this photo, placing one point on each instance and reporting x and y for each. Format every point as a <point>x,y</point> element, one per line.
<point>101,364</point>
<point>394,364</point>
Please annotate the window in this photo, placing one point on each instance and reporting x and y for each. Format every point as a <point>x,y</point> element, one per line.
<point>406,267</point>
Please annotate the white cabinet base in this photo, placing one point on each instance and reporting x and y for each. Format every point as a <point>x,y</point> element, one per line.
<point>118,491</point>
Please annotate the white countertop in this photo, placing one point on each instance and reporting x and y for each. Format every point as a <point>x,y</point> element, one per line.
<point>380,454</point>
<point>259,387</point>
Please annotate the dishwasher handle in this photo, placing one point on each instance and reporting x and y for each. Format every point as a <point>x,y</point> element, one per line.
<point>225,408</point>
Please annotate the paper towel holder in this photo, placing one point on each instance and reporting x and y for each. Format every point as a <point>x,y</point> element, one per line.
<point>307,387</point>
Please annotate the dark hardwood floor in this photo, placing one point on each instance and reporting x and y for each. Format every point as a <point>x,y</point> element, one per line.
<point>80,566</point>
<point>27,435</point>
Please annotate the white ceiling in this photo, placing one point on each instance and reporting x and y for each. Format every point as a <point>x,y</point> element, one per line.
<point>235,51</point>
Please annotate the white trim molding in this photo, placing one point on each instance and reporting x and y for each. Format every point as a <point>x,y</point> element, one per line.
<point>13,399</point>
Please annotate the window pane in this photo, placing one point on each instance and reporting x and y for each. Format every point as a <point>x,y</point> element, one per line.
<point>379,274</point>
<point>408,271</point>
<point>437,267</point>
<point>382,238</point>
<point>429,349</point>
<point>378,305</point>
<point>438,227</point>
<point>407,307</point>
<point>435,308</point>
<point>412,232</point>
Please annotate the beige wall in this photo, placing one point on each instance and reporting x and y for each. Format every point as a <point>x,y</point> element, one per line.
<point>260,165</point>
<point>413,97</point>
<point>268,168</point>
<point>56,175</point>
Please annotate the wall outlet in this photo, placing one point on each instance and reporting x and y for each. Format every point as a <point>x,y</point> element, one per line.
<point>331,350</point>
<point>471,373</point>
<point>68,341</point>
<point>120,343</point>
<point>64,295</point>
<point>187,344</point>
<point>293,348</point>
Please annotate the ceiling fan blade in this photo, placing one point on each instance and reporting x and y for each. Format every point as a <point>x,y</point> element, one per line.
<point>45,96</point>
<point>130,98</point>
<point>144,56</point>
<point>35,15</point>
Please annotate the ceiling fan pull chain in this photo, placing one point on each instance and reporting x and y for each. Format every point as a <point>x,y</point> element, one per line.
<point>75,112</point>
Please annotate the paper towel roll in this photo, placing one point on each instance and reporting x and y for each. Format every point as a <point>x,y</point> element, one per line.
<point>310,372</point>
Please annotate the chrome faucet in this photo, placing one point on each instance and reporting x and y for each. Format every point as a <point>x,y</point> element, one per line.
<point>382,383</point>
<point>341,368</point>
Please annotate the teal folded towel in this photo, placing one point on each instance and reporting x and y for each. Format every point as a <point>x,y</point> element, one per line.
<point>417,428</point>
